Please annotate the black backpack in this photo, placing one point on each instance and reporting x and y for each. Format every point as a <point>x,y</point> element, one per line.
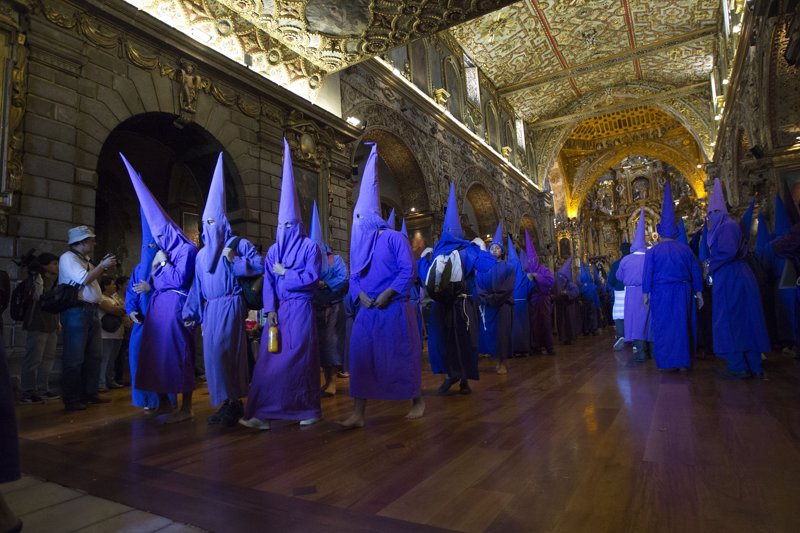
<point>22,299</point>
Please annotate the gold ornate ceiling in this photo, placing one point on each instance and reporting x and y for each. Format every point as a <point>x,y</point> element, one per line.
<point>564,50</point>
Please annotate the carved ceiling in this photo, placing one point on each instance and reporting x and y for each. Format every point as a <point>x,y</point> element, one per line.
<point>565,50</point>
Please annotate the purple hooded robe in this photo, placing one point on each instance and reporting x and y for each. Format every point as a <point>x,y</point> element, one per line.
<point>495,289</point>
<point>568,319</point>
<point>520,327</point>
<point>631,272</point>
<point>671,277</point>
<point>740,332</point>
<point>286,384</point>
<point>167,352</point>
<point>385,348</point>
<point>540,301</point>
<point>215,300</point>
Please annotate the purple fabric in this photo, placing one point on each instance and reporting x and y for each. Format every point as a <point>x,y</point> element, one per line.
<point>317,236</point>
<point>639,243</point>
<point>747,219</point>
<point>498,237</point>
<point>166,356</point>
<point>540,309</point>
<point>495,289</point>
<point>531,257</point>
<point>671,276</point>
<point>367,220</point>
<point>738,317</point>
<point>286,384</point>
<point>391,220</point>
<point>215,301</point>
<point>520,328</point>
<point>630,272</point>
<point>717,200</point>
<point>667,227</point>
<point>290,236</point>
<point>385,348</point>
<point>452,220</point>
<point>404,229</point>
<point>214,235</point>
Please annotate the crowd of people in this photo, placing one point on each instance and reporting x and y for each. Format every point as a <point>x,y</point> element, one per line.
<point>371,324</point>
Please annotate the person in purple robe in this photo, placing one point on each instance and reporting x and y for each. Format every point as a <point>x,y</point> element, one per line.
<point>453,331</point>
<point>540,301</point>
<point>285,384</point>
<point>671,275</point>
<point>391,220</point>
<point>740,333</point>
<point>566,304</point>
<point>523,286</point>
<point>495,289</point>
<point>216,303</point>
<point>167,351</point>
<point>637,317</point>
<point>329,305</point>
<point>590,302</point>
<point>385,349</point>
<point>137,304</point>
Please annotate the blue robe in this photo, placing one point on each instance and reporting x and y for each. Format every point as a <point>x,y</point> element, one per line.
<point>671,277</point>
<point>738,319</point>
<point>495,289</point>
<point>385,349</point>
<point>215,302</point>
<point>520,327</point>
<point>138,302</point>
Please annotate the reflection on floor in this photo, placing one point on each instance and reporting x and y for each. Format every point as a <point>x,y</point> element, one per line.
<point>587,440</point>
<point>47,507</point>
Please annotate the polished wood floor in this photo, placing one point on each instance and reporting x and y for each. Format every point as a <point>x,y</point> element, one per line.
<point>584,441</point>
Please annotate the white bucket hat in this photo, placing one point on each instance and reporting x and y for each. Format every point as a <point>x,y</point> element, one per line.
<point>78,234</point>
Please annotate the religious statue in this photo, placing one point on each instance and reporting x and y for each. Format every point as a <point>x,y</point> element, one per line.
<point>191,83</point>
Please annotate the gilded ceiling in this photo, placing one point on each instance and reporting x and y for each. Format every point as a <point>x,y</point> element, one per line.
<point>563,50</point>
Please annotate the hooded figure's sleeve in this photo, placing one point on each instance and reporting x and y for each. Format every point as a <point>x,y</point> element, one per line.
<point>193,307</point>
<point>406,269</point>
<point>306,277</point>
<point>179,271</point>
<point>336,276</point>
<point>726,247</point>
<point>133,298</point>
<point>248,261</point>
<point>647,275</point>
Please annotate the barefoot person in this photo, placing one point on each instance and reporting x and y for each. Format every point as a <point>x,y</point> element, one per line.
<point>166,353</point>
<point>216,302</point>
<point>286,383</point>
<point>385,349</point>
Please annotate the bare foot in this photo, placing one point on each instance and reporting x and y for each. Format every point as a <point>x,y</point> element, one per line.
<point>174,418</point>
<point>328,391</point>
<point>501,369</point>
<point>353,421</point>
<point>417,409</point>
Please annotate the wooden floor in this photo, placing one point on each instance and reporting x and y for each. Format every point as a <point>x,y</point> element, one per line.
<point>584,441</point>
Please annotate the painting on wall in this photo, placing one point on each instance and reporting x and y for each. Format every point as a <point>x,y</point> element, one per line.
<point>307,184</point>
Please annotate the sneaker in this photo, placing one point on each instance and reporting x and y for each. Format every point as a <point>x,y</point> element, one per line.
<point>49,395</point>
<point>217,417</point>
<point>31,399</point>
<point>233,413</point>
<point>619,343</point>
<point>310,421</point>
<point>255,423</point>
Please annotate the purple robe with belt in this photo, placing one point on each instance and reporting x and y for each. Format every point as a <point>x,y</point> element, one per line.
<point>671,276</point>
<point>216,302</point>
<point>496,294</point>
<point>385,348</point>
<point>630,272</point>
<point>540,309</point>
<point>286,384</point>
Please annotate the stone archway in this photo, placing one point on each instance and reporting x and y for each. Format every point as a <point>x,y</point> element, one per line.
<point>479,216</point>
<point>526,222</point>
<point>177,164</point>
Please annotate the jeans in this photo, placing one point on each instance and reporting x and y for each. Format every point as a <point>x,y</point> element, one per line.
<point>40,352</point>
<point>82,353</point>
<point>619,327</point>
<point>111,351</point>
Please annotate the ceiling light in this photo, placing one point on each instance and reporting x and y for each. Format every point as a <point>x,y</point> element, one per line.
<point>725,81</point>
<point>353,121</point>
<point>699,165</point>
<point>413,209</point>
<point>737,28</point>
<point>718,117</point>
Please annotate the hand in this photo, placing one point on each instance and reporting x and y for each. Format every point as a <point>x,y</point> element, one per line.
<point>530,276</point>
<point>646,299</point>
<point>189,323</point>
<point>161,256</point>
<point>108,261</point>
<point>699,297</point>
<point>135,317</point>
<point>366,301</point>
<point>384,298</point>
<point>279,269</point>
<point>272,318</point>
<point>141,287</point>
<point>229,254</point>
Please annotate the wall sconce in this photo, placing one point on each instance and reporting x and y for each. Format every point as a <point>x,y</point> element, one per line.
<point>441,96</point>
<point>505,151</point>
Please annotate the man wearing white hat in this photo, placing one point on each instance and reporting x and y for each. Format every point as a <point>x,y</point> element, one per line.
<point>81,325</point>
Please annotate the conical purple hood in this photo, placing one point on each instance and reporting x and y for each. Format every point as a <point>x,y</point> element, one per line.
<point>512,253</point>
<point>682,233</point>
<point>404,229</point>
<point>717,200</point>
<point>391,222</point>
<point>452,220</point>
<point>166,234</point>
<point>216,233</point>
<point>498,236</point>
<point>639,243</point>
<point>291,231</point>
<point>316,229</point>
<point>747,219</point>
<point>531,257</point>
<point>367,220</point>
<point>566,269</point>
<point>668,226</point>
<point>762,237</point>
<point>148,253</point>
<point>782,224</point>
